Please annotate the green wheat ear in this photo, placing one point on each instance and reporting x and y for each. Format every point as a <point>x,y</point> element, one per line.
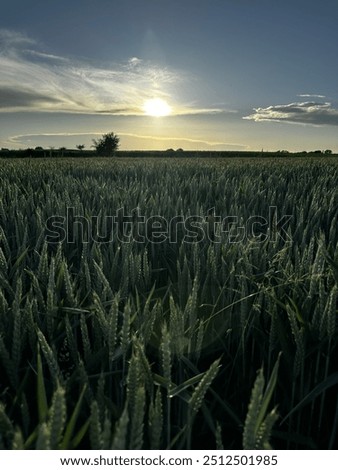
<point>18,442</point>
<point>121,430</point>
<point>166,357</point>
<point>112,327</point>
<point>134,379</point>
<point>198,395</point>
<point>218,435</point>
<point>258,424</point>
<point>95,429</point>
<point>43,439</point>
<point>156,421</point>
<point>57,417</point>
<point>137,420</point>
<point>50,357</point>
<point>125,329</point>
<point>69,431</point>
<point>41,390</point>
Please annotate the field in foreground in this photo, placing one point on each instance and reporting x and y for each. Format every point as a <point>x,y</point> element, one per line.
<point>118,337</point>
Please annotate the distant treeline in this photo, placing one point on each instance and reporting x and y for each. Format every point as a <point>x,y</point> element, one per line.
<point>62,153</point>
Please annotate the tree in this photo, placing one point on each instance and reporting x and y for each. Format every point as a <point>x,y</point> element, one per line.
<point>80,148</point>
<point>62,151</point>
<point>107,144</point>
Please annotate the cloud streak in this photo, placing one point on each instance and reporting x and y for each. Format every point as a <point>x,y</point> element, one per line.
<point>308,112</point>
<point>57,84</point>
<point>309,95</point>
<point>9,39</point>
<point>34,139</point>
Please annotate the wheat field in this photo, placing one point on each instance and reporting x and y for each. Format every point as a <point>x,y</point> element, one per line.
<point>116,339</point>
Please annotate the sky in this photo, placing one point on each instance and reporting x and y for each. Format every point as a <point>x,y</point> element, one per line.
<point>222,74</point>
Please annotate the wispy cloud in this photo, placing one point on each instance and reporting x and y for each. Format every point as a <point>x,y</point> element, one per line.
<point>208,143</point>
<point>307,95</point>
<point>43,56</point>
<point>58,84</point>
<point>11,39</point>
<point>309,112</point>
<point>69,139</point>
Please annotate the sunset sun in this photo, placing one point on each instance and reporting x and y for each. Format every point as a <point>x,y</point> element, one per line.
<point>156,107</point>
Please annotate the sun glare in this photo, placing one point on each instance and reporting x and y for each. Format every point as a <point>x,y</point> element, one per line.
<point>156,107</point>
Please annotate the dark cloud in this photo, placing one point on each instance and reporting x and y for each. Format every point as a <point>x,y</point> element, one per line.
<point>16,98</point>
<point>310,112</point>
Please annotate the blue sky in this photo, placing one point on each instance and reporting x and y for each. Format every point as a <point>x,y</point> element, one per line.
<point>236,74</point>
